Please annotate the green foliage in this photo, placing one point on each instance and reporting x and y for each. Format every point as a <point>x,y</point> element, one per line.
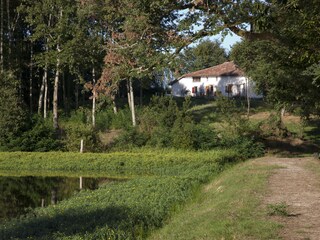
<point>41,137</point>
<point>121,120</point>
<point>131,138</point>
<point>74,133</point>
<point>204,55</point>
<point>168,126</point>
<point>227,107</point>
<point>273,126</point>
<point>13,118</point>
<point>188,135</point>
<point>163,124</point>
<point>107,119</point>
<point>161,111</point>
<point>236,130</point>
<point>278,74</point>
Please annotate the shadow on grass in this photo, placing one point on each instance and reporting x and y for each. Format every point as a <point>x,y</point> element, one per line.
<point>312,132</point>
<point>207,111</point>
<point>290,147</point>
<point>119,221</point>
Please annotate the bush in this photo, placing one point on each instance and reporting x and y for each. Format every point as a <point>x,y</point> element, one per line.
<point>161,112</point>
<point>130,139</point>
<point>13,117</point>
<point>73,134</point>
<point>161,138</point>
<point>163,125</point>
<point>109,120</point>
<point>121,120</point>
<point>41,137</point>
<point>205,137</point>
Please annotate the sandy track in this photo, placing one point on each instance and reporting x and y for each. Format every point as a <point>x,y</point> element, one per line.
<point>299,187</point>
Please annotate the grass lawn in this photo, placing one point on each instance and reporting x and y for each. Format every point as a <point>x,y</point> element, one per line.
<point>229,207</point>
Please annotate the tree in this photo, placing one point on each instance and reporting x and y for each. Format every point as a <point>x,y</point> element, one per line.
<point>9,23</point>
<point>71,43</point>
<point>89,46</point>
<point>13,118</point>
<point>139,36</point>
<point>1,35</point>
<point>280,78</point>
<point>206,54</point>
<point>56,14</point>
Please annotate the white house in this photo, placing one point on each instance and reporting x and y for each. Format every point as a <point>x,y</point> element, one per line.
<point>227,79</point>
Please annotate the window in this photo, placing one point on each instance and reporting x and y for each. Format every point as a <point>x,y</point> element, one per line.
<point>229,88</point>
<point>194,89</point>
<point>196,79</point>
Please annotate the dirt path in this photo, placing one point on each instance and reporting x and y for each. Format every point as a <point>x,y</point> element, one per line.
<point>298,187</point>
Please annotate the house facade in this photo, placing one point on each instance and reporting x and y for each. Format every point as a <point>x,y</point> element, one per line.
<point>226,79</point>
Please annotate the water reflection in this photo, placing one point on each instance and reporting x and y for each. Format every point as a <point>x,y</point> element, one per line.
<point>20,194</point>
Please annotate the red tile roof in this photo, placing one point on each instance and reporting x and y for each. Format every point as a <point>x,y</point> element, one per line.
<point>224,69</point>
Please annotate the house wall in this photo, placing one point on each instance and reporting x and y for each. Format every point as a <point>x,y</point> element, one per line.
<point>184,86</point>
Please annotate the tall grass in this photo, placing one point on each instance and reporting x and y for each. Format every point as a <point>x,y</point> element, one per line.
<point>117,164</point>
<point>162,182</point>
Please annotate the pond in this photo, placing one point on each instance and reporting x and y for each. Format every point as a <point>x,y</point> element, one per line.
<point>18,195</point>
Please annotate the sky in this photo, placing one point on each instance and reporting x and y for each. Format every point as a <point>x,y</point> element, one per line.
<point>229,41</point>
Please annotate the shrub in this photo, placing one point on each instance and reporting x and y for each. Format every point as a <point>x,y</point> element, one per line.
<point>129,139</point>
<point>40,137</point>
<point>13,117</point>
<point>121,120</point>
<point>74,133</point>
<point>204,137</point>
<point>161,137</point>
<point>161,112</point>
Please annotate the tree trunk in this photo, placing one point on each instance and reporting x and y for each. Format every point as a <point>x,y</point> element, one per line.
<point>93,98</point>
<point>132,104</point>
<point>45,100</point>
<point>128,93</point>
<point>54,198</point>
<point>45,76</point>
<point>40,101</point>
<point>31,80</point>
<point>9,30</point>
<point>282,113</point>
<point>1,36</point>
<point>55,93</point>
<point>115,108</point>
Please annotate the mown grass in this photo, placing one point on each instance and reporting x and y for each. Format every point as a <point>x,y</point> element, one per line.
<point>227,208</point>
<point>117,164</point>
<point>162,182</point>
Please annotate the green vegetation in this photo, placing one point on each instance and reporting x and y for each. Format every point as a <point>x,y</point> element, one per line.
<point>206,54</point>
<point>118,164</point>
<point>77,63</point>
<point>229,207</point>
<point>278,209</point>
<point>13,118</point>
<point>120,210</point>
